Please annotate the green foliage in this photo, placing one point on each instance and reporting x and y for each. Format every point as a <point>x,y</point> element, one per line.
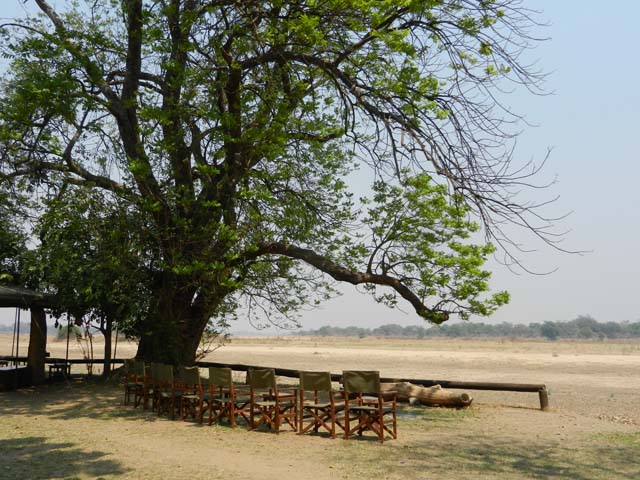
<point>420,234</point>
<point>13,250</point>
<point>90,259</point>
<point>188,159</point>
<point>550,331</point>
<point>74,332</point>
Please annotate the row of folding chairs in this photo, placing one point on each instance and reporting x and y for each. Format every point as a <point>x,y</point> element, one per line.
<point>313,405</point>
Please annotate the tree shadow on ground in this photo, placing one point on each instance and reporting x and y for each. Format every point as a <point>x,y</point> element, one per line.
<point>81,399</point>
<point>475,456</point>
<point>38,458</point>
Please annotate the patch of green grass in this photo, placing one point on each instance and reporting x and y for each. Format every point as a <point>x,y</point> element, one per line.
<point>472,457</point>
<point>630,440</point>
<point>419,417</point>
<point>437,444</point>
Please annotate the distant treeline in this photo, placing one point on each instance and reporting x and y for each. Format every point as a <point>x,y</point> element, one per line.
<point>24,328</point>
<point>583,327</point>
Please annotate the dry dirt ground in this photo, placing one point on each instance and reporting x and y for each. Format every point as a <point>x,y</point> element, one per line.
<point>81,430</point>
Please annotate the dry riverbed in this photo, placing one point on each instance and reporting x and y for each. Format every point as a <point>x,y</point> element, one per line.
<point>81,430</point>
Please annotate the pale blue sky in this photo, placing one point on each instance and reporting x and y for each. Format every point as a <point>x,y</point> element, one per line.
<point>591,122</point>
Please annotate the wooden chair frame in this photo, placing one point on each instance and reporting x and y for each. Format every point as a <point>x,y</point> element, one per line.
<point>189,388</point>
<point>133,381</point>
<point>224,399</point>
<point>167,393</point>
<point>365,404</point>
<point>314,414</point>
<point>276,406</point>
<point>150,388</point>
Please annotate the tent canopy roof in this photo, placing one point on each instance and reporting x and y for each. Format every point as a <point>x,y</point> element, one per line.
<point>12,296</point>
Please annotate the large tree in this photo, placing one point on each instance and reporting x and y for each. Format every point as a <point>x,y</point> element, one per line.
<point>231,130</point>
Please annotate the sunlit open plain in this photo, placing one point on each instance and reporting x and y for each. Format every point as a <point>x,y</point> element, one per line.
<point>81,430</point>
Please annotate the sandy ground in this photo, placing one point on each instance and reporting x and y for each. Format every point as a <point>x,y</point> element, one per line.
<point>591,431</point>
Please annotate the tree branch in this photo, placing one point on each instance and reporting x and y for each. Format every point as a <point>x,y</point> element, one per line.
<point>342,274</point>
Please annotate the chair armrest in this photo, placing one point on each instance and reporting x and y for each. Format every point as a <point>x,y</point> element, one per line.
<point>287,392</point>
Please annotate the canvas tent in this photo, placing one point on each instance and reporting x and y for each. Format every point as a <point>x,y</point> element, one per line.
<point>23,298</point>
<point>11,296</point>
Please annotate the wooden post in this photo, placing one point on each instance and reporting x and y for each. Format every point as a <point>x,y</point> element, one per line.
<point>541,389</point>
<point>37,344</point>
<point>107,333</point>
<point>544,399</point>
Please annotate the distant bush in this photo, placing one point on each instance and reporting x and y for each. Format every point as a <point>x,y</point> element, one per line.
<point>582,327</point>
<point>75,332</point>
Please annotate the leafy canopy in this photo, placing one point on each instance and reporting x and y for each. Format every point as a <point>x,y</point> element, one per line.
<point>230,131</point>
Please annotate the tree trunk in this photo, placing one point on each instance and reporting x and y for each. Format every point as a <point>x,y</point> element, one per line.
<point>37,344</point>
<point>174,334</point>
<point>107,334</point>
<point>408,392</point>
<point>174,345</point>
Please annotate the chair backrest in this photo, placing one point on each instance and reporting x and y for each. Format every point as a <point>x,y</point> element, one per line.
<point>154,370</point>
<point>189,375</point>
<point>355,381</point>
<point>134,366</point>
<point>320,381</point>
<point>220,377</point>
<point>261,378</point>
<point>129,365</point>
<point>162,373</point>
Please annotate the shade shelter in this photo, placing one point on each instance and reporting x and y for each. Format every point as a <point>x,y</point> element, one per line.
<point>24,298</point>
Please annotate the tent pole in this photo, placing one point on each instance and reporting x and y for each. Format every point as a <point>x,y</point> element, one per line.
<point>17,337</point>
<point>13,338</point>
<point>115,346</point>
<point>66,356</point>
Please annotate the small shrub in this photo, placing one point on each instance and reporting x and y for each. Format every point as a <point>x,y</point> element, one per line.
<point>75,332</point>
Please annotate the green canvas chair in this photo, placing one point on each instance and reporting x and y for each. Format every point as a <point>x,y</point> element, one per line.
<point>189,388</point>
<point>133,381</point>
<point>365,407</point>
<point>150,389</point>
<point>167,395</point>
<point>273,405</point>
<point>317,406</point>
<point>224,399</point>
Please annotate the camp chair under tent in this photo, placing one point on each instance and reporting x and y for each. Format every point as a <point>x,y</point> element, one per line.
<point>166,394</point>
<point>153,374</point>
<point>365,404</point>
<point>134,381</point>
<point>150,390</point>
<point>224,399</point>
<point>189,388</point>
<point>314,410</point>
<point>271,404</point>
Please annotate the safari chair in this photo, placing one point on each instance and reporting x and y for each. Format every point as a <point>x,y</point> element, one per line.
<point>365,405</point>
<point>150,389</point>
<point>271,404</point>
<point>189,387</point>
<point>314,410</point>
<point>224,399</point>
<point>166,394</point>
<point>133,381</point>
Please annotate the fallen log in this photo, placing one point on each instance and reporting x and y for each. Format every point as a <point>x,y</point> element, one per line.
<point>435,395</point>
